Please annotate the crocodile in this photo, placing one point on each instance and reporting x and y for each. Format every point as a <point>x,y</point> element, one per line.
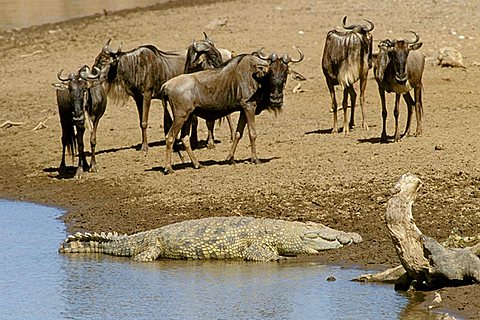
<point>247,238</point>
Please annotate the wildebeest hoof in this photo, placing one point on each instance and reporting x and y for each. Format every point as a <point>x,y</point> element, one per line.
<point>230,160</point>
<point>167,171</point>
<point>198,166</point>
<point>256,161</point>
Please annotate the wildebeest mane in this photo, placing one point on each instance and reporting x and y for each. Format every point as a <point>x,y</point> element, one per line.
<point>133,69</point>
<point>159,52</point>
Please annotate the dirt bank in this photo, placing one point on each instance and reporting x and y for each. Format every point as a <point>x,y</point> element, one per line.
<point>306,173</point>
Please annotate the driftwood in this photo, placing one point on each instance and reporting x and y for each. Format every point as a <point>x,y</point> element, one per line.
<point>8,124</point>
<point>41,125</point>
<point>426,264</point>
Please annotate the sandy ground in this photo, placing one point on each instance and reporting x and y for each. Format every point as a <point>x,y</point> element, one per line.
<point>306,173</point>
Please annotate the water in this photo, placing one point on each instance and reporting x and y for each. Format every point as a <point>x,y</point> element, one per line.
<point>38,283</point>
<point>14,13</point>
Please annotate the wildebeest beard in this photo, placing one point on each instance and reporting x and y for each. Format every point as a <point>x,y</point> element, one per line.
<point>263,96</point>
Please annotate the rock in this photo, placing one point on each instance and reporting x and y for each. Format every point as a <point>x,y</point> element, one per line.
<point>215,23</point>
<point>450,57</point>
<point>331,278</point>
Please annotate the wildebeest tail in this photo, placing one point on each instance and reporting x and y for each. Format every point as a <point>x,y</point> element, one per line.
<point>69,141</point>
<point>167,112</point>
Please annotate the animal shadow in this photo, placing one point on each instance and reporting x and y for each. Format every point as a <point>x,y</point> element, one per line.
<point>208,163</point>
<point>376,140</point>
<point>320,131</point>
<point>68,173</point>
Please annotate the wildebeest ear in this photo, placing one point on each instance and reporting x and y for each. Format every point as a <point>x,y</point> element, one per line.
<point>60,86</point>
<point>415,46</point>
<point>261,69</point>
<point>382,61</point>
<point>296,75</point>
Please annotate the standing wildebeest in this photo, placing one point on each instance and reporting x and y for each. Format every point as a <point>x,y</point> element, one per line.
<point>139,73</point>
<point>79,94</point>
<point>399,68</point>
<point>200,56</point>
<point>247,83</point>
<point>347,57</point>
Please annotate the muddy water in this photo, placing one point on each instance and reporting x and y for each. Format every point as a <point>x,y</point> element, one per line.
<point>38,283</point>
<point>25,13</point>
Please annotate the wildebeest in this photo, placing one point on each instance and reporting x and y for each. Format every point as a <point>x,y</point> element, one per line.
<point>247,83</point>
<point>347,57</point>
<point>139,73</point>
<point>399,68</point>
<point>200,56</point>
<point>77,95</point>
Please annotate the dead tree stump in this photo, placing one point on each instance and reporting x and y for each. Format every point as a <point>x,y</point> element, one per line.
<point>427,264</point>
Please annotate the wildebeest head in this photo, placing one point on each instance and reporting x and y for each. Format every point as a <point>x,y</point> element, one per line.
<point>77,91</point>
<point>396,52</point>
<point>77,86</point>
<point>202,55</point>
<point>278,71</point>
<point>106,59</point>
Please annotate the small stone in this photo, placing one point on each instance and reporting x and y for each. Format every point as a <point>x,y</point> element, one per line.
<point>331,278</point>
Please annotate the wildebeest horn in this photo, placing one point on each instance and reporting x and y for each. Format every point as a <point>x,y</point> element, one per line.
<point>119,48</point>
<point>201,46</point>
<point>207,39</point>
<point>371,25</point>
<point>300,58</point>
<point>344,21</point>
<point>85,73</point>
<point>59,76</point>
<point>106,48</point>
<point>416,38</point>
<point>261,55</point>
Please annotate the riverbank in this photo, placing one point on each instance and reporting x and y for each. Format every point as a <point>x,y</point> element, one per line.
<point>306,173</point>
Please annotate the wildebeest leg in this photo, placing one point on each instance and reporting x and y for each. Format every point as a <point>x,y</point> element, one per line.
<point>211,126</point>
<point>82,160</point>
<point>363,86</point>
<point>185,137</point>
<point>230,126</point>
<point>66,143</point>
<point>396,113</point>
<point>167,124</point>
<point>346,128</point>
<point>410,104</point>
<point>353,98</point>
<point>384,114</point>
<point>93,144</point>
<point>252,132</point>
<point>178,122</point>
<point>242,121</point>
<point>331,89</point>
<point>210,137</point>
<point>63,166</point>
<point>418,109</point>
<point>193,132</point>
<point>143,107</point>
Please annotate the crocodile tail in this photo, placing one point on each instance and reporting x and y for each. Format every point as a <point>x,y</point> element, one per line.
<point>110,243</point>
